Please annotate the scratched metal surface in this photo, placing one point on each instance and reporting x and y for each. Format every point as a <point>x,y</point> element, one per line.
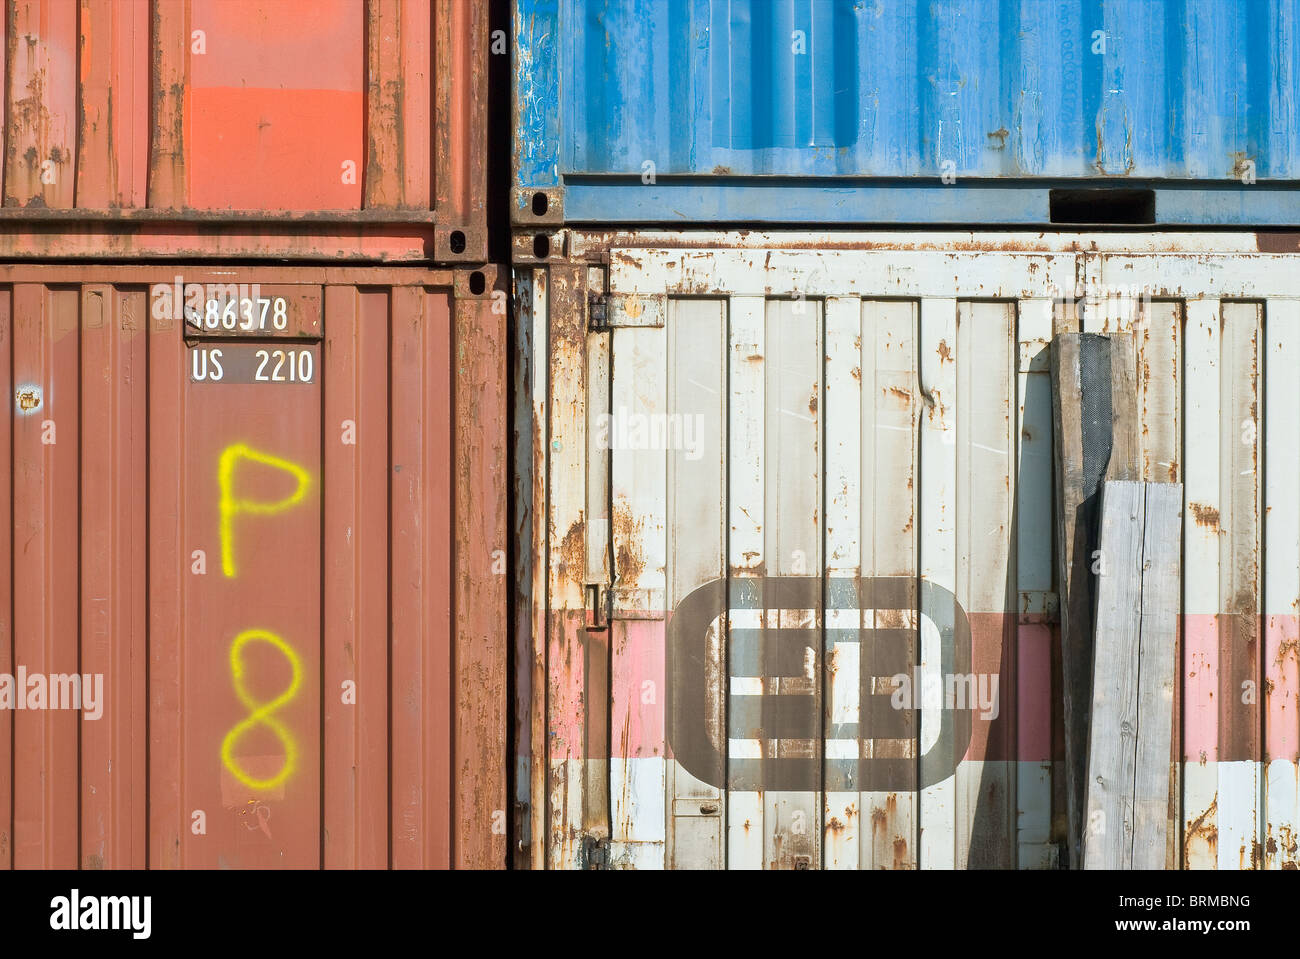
<point>293,590</point>
<point>613,94</point>
<point>846,420</point>
<point>249,111</point>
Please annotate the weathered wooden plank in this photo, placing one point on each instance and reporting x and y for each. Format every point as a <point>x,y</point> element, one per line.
<point>1132,690</point>
<point>1125,450</point>
<point>1096,429</point>
<point>1161,600</point>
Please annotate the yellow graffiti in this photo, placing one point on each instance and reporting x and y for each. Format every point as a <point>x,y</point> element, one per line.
<point>260,714</point>
<point>232,507</point>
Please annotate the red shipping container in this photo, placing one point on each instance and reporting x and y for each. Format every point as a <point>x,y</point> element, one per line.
<point>293,128</point>
<point>261,513</point>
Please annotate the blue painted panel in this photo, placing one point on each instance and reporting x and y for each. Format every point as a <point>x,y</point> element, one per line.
<point>1049,89</point>
<point>536,93</point>
<point>819,202</point>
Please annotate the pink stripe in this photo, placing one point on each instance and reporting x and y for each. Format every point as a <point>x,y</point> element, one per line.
<point>638,693</point>
<point>1201,688</point>
<point>1034,693</point>
<point>1282,672</point>
<point>567,715</point>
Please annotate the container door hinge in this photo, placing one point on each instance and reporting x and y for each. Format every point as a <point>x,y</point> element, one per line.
<point>595,853</point>
<point>597,311</point>
<point>598,608</point>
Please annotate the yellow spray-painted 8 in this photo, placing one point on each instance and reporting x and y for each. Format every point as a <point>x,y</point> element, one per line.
<point>261,714</point>
<point>231,506</point>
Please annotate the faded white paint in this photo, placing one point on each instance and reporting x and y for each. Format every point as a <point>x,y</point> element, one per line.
<point>896,421</point>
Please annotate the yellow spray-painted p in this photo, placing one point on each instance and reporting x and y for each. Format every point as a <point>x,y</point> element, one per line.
<point>232,506</point>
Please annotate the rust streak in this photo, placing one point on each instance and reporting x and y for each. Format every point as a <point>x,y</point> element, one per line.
<point>629,561</point>
<point>1206,516</point>
<point>1204,829</point>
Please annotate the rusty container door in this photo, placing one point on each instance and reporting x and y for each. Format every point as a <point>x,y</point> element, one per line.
<point>791,489</point>
<point>799,508</point>
<point>261,513</point>
<point>361,123</point>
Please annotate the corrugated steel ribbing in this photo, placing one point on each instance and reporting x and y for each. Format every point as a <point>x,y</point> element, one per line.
<point>640,111</point>
<point>304,128</point>
<point>843,473</point>
<point>279,539</point>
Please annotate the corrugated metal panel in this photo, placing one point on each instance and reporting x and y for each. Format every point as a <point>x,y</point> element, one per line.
<point>281,547</point>
<point>817,464</point>
<point>612,95</point>
<point>178,111</point>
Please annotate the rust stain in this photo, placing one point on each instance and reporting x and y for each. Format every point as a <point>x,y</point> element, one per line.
<point>945,353</point>
<point>572,551</point>
<point>812,402</point>
<point>1256,856</point>
<point>1288,647</point>
<point>1287,846</point>
<point>629,562</point>
<point>1204,829</point>
<point>1206,516</point>
<point>900,853</point>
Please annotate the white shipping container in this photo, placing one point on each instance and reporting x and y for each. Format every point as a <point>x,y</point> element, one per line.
<point>790,597</point>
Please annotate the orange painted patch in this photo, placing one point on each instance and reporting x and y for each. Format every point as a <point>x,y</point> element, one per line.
<point>257,149</point>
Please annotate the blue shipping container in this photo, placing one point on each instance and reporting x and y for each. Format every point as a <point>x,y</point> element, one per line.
<point>919,111</point>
